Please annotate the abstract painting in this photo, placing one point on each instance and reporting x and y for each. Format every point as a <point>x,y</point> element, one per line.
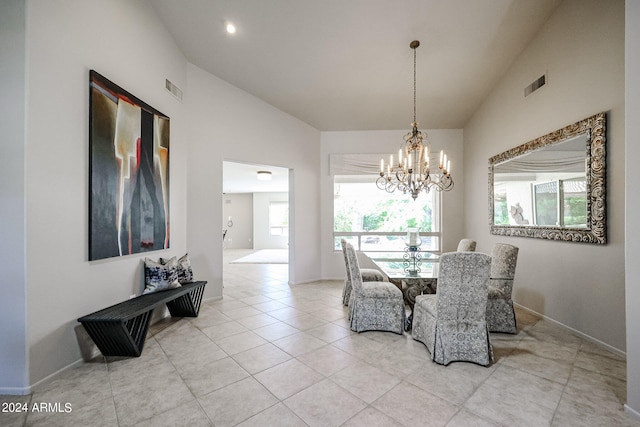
<point>128,173</point>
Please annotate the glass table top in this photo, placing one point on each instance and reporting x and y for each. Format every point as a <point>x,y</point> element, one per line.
<point>399,255</point>
<point>393,264</point>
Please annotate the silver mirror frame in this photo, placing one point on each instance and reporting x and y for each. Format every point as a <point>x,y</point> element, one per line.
<point>596,231</point>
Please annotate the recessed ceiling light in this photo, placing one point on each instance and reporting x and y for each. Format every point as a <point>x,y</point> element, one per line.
<point>231,29</point>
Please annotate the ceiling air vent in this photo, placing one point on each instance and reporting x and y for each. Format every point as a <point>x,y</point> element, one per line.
<point>173,89</point>
<point>537,84</point>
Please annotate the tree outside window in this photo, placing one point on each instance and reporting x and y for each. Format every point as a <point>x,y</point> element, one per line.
<point>375,220</point>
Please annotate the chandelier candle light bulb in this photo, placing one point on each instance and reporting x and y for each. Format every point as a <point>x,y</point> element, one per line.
<point>413,174</point>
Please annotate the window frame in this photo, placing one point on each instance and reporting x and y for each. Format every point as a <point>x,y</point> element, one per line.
<point>436,217</point>
<point>284,229</point>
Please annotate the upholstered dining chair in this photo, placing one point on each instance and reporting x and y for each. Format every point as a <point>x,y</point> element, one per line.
<point>368,275</point>
<point>452,322</point>
<point>500,314</point>
<point>375,306</point>
<point>466,245</point>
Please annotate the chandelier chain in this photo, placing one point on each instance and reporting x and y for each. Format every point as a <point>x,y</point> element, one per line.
<point>414,85</point>
<point>413,172</point>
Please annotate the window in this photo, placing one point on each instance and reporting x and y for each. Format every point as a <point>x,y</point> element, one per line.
<point>279,218</point>
<point>374,220</point>
<point>561,202</point>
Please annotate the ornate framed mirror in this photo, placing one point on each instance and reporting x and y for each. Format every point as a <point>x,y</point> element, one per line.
<point>552,187</point>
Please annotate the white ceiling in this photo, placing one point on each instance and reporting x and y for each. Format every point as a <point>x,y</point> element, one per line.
<point>347,65</point>
<point>242,178</point>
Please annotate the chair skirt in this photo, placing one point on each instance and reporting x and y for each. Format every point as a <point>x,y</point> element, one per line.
<point>501,316</point>
<point>379,308</point>
<point>450,340</point>
<point>424,320</point>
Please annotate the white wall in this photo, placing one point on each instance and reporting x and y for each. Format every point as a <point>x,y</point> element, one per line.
<point>581,48</point>
<point>273,138</point>
<point>57,280</point>
<point>262,238</point>
<point>13,303</point>
<point>124,41</point>
<point>387,142</point>
<point>632,267</point>
<point>240,208</point>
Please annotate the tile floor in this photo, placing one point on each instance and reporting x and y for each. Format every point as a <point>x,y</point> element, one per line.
<point>270,354</point>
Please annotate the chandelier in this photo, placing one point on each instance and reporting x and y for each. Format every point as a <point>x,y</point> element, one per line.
<point>412,173</point>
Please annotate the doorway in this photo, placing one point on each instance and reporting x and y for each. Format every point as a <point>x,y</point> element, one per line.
<point>256,227</point>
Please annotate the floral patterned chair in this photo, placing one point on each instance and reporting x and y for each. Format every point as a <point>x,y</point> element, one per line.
<point>500,314</point>
<point>368,275</point>
<point>466,245</point>
<point>375,306</point>
<point>452,322</point>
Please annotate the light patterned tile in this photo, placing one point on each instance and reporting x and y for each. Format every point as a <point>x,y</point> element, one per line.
<point>412,406</point>
<point>285,313</point>
<point>600,364</point>
<point>101,413</point>
<point>365,381</point>
<point>454,383</point>
<point>299,343</point>
<point>16,410</point>
<point>312,403</point>
<point>288,378</point>
<point>513,397</point>
<point>191,356</point>
<point>277,415</point>
<point>150,399</point>
<point>260,358</point>
<point>237,402</point>
<point>257,321</point>
<point>242,313</point>
<point>552,369</point>
<point>276,331</point>
<point>358,345</point>
<point>304,322</point>
<point>371,417</point>
<point>465,418</point>
<point>328,360</point>
<point>240,342</point>
<point>329,332</point>
<point>270,306</point>
<point>330,314</point>
<point>224,330</point>
<point>203,379</point>
<point>189,414</point>
<point>588,409</point>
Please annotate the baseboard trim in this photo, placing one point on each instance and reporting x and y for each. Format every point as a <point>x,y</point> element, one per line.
<point>575,331</point>
<point>56,373</point>
<point>631,412</point>
<point>305,281</point>
<point>15,391</point>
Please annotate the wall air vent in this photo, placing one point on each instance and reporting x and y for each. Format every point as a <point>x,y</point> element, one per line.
<point>173,89</point>
<point>541,81</point>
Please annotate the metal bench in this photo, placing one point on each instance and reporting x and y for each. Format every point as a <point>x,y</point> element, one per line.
<point>120,330</point>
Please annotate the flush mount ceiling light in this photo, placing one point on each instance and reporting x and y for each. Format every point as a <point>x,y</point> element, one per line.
<point>264,176</point>
<point>413,172</point>
<point>231,29</point>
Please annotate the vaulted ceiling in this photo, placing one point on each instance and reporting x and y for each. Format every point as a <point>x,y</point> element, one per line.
<point>347,65</point>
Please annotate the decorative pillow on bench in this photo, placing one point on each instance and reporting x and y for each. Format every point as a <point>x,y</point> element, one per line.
<point>185,273</point>
<point>159,276</point>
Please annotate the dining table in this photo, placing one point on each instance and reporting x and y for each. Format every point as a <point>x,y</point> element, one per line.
<point>413,272</point>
